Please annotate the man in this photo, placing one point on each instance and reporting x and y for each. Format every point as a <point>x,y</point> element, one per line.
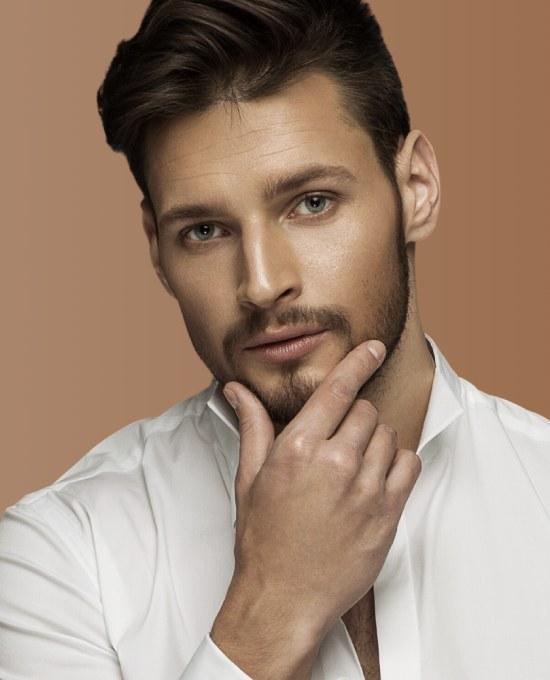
<point>353,513</point>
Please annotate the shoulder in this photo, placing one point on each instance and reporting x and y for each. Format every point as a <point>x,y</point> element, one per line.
<point>518,421</point>
<point>515,438</point>
<point>108,479</point>
<point>79,555</point>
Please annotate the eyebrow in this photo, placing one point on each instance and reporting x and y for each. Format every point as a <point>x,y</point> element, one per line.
<point>273,187</point>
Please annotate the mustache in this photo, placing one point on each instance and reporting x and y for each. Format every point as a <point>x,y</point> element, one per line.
<point>332,318</point>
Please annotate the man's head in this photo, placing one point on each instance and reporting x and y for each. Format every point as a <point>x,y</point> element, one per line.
<point>216,102</point>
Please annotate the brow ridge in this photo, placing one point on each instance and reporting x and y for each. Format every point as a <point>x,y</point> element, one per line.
<point>273,188</point>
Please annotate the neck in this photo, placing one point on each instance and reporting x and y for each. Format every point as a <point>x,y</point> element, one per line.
<point>403,392</point>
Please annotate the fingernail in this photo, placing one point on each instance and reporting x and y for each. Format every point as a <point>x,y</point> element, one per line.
<point>231,398</point>
<point>377,349</point>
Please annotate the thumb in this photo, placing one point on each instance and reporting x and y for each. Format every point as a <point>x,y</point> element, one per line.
<point>257,436</point>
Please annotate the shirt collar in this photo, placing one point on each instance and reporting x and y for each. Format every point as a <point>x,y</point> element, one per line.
<point>446,398</point>
<point>444,407</point>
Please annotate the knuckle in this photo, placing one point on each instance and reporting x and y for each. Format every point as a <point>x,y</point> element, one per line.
<point>246,425</point>
<point>300,444</point>
<point>387,431</point>
<point>355,442</point>
<point>373,489</point>
<point>341,460</point>
<point>341,389</point>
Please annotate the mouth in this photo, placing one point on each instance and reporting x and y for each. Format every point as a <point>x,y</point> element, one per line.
<point>288,349</point>
<point>271,336</point>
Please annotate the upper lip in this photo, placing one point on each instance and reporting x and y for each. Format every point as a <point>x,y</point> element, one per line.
<point>280,334</point>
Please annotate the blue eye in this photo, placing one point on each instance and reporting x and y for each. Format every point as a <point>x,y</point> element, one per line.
<point>183,234</point>
<point>317,202</point>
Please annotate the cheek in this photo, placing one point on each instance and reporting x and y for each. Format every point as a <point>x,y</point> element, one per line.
<point>201,304</point>
<point>351,263</point>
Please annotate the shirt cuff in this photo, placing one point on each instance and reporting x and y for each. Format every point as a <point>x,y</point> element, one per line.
<point>210,663</point>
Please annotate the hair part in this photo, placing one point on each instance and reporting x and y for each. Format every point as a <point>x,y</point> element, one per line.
<point>189,55</point>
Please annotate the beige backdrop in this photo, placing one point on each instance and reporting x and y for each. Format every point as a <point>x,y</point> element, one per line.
<point>90,340</point>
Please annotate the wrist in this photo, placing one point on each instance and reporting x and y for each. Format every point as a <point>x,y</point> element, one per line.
<point>264,635</point>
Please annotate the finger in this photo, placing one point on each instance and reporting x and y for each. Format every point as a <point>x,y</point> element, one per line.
<point>324,410</point>
<point>256,435</point>
<point>378,458</point>
<point>357,428</point>
<point>402,476</point>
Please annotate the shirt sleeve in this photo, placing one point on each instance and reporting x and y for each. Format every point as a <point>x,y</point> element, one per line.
<point>210,663</point>
<point>51,615</point>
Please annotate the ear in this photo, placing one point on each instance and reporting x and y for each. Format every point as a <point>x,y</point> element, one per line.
<point>149,225</point>
<point>417,176</point>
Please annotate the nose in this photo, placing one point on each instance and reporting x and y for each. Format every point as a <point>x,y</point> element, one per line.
<point>268,270</point>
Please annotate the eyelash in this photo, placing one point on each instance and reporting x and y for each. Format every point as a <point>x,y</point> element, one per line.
<point>183,233</point>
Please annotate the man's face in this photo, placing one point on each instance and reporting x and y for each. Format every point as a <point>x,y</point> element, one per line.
<point>329,253</point>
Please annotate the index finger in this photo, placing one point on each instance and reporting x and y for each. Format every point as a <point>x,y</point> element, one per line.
<point>324,410</point>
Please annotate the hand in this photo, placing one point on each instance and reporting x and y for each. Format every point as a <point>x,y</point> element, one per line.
<point>318,506</point>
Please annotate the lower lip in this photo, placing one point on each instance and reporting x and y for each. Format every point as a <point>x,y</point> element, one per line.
<point>287,350</point>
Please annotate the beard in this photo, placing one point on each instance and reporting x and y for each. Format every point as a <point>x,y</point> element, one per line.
<point>388,324</point>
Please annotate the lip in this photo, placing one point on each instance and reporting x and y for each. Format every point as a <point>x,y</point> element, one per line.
<point>280,334</point>
<point>288,350</point>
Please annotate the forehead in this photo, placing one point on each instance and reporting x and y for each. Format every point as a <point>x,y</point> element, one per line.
<point>228,146</point>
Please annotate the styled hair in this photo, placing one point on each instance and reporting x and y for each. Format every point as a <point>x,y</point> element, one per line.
<point>189,55</point>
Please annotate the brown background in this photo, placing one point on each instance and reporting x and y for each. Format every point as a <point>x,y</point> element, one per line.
<point>90,340</point>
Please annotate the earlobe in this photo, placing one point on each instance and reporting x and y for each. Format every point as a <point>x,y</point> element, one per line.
<point>149,226</point>
<point>418,177</point>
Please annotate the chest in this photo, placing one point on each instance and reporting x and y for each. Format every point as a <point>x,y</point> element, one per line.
<point>361,625</point>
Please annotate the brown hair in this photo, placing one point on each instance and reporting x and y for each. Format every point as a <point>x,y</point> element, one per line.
<point>191,54</point>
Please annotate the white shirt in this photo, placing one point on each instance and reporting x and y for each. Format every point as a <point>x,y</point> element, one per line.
<point>119,568</point>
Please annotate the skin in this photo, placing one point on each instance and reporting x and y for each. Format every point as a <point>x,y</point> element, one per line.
<point>345,261</point>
